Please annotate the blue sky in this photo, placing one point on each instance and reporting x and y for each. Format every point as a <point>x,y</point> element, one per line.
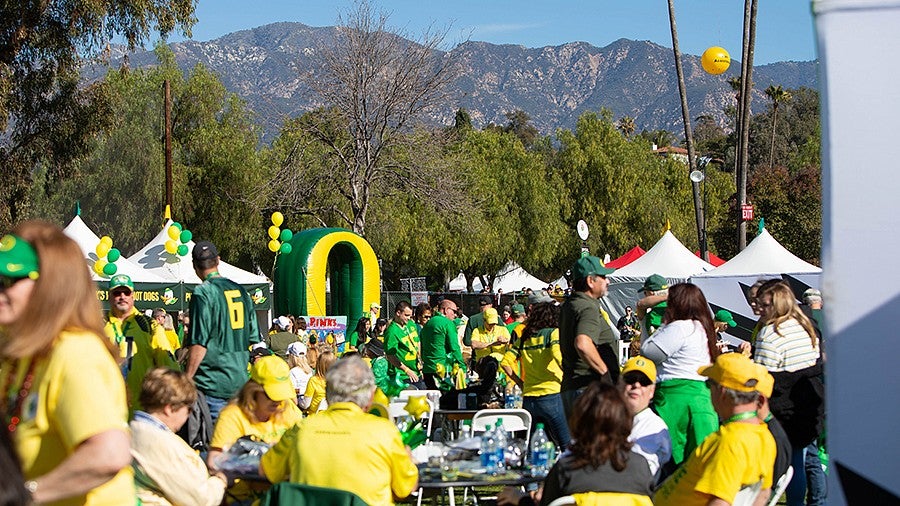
<point>784,28</point>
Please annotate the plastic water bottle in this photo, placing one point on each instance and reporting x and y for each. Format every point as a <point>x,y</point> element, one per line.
<point>502,442</point>
<point>540,458</point>
<point>489,451</point>
<point>517,397</point>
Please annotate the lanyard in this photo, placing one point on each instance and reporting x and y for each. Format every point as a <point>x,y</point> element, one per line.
<point>746,415</point>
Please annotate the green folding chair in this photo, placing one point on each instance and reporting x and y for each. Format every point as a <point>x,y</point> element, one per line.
<point>294,494</point>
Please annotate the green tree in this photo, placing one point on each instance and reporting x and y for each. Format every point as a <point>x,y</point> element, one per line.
<point>47,118</point>
<point>519,123</point>
<point>121,183</point>
<point>626,126</point>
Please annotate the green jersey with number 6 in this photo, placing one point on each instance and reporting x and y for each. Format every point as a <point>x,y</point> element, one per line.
<point>222,321</point>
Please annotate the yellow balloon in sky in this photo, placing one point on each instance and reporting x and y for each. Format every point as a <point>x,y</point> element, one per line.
<point>277,219</point>
<point>715,60</point>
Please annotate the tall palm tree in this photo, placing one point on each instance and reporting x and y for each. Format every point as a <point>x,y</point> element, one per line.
<point>688,136</point>
<point>777,95</point>
<point>748,47</point>
<point>626,125</point>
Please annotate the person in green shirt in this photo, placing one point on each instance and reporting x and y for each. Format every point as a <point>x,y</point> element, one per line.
<point>360,334</point>
<point>440,345</point>
<point>586,338</point>
<point>652,306</point>
<point>518,317</point>
<point>223,326</point>
<point>401,345</point>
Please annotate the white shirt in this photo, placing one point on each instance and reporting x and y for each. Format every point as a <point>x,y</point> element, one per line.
<point>685,344</point>
<point>299,378</point>
<point>650,436</point>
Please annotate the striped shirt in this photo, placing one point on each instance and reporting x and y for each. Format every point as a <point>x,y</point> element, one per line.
<point>790,349</point>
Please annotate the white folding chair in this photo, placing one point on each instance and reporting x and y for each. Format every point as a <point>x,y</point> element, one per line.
<point>747,495</point>
<point>513,420</point>
<point>565,500</point>
<point>780,486</point>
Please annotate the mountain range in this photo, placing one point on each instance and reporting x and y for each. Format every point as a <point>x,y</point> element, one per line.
<point>552,84</point>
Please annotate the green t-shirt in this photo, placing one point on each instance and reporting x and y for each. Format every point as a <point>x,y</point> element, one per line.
<point>512,327</point>
<point>403,343</point>
<point>440,344</point>
<point>223,322</point>
<point>475,321</point>
<point>654,317</point>
<point>580,314</point>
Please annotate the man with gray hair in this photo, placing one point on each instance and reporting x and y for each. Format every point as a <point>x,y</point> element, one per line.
<point>321,449</point>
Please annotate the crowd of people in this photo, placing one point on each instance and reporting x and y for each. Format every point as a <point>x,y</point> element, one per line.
<point>686,421</point>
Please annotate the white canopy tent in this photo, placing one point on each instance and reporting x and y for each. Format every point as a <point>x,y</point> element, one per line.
<point>154,259</point>
<point>668,258</point>
<point>87,240</point>
<point>763,258</point>
<point>512,277</point>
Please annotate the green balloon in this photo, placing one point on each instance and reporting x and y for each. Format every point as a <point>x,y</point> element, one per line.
<point>177,225</point>
<point>182,250</point>
<point>113,255</point>
<point>186,236</point>
<point>286,248</point>
<point>286,235</point>
<point>110,269</point>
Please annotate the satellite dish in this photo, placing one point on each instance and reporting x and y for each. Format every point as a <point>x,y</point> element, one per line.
<point>582,229</point>
<point>697,176</point>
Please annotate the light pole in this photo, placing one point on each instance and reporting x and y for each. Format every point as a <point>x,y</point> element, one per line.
<point>698,176</point>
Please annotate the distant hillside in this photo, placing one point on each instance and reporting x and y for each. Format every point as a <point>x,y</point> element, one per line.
<point>553,84</point>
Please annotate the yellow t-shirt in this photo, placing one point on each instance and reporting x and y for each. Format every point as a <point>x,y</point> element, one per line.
<point>321,449</point>
<point>234,424</point>
<point>736,456</point>
<point>480,335</point>
<point>172,337</point>
<point>77,393</point>
<point>150,348</point>
<point>541,362</point>
<point>315,392</point>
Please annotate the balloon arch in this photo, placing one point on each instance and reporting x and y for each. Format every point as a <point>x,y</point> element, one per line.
<point>349,261</point>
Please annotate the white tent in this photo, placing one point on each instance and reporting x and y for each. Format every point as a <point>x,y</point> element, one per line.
<point>154,259</point>
<point>668,258</point>
<point>763,258</point>
<point>87,240</point>
<point>510,278</point>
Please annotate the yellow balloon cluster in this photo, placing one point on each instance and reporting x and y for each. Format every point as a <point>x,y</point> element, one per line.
<point>715,60</point>
<point>105,265</point>
<point>279,239</point>
<point>177,234</point>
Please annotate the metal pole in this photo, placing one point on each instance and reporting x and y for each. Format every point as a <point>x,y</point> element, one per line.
<point>168,149</point>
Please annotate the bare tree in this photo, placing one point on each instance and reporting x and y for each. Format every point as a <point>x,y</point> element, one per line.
<point>375,84</point>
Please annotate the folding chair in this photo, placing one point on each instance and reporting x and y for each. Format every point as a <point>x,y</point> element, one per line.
<point>514,420</point>
<point>747,495</point>
<point>294,494</point>
<point>780,486</point>
<point>397,407</point>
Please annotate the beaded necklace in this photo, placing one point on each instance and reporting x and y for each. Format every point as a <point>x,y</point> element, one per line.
<point>16,397</point>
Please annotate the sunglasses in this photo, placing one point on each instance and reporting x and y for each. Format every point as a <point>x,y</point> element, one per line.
<point>7,282</point>
<point>633,377</point>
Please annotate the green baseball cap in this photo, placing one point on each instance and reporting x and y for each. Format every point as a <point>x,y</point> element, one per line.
<point>120,280</point>
<point>654,283</point>
<point>724,316</point>
<point>517,309</point>
<point>18,259</point>
<point>590,266</point>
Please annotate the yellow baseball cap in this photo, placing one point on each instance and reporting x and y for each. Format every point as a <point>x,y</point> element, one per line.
<point>274,374</point>
<point>641,364</point>
<point>491,316</point>
<point>737,372</point>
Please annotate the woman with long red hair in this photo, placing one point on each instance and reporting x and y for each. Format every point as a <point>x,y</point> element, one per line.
<point>685,342</point>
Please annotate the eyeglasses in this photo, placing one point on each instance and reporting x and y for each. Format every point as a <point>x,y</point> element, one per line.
<point>632,377</point>
<point>7,282</point>
<point>116,293</point>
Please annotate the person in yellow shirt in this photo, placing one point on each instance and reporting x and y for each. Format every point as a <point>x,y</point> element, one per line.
<point>538,352</point>
<point>264,408</point>
<point>67,415</point>
<point>142,342</point>
<point>165,320</point>
<point>313,397</point>
<point>490,338</point>
<point>319,450</point>
<point>740,454</point>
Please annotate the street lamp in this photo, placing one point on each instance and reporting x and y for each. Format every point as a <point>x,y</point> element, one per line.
<point>699,176</point>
